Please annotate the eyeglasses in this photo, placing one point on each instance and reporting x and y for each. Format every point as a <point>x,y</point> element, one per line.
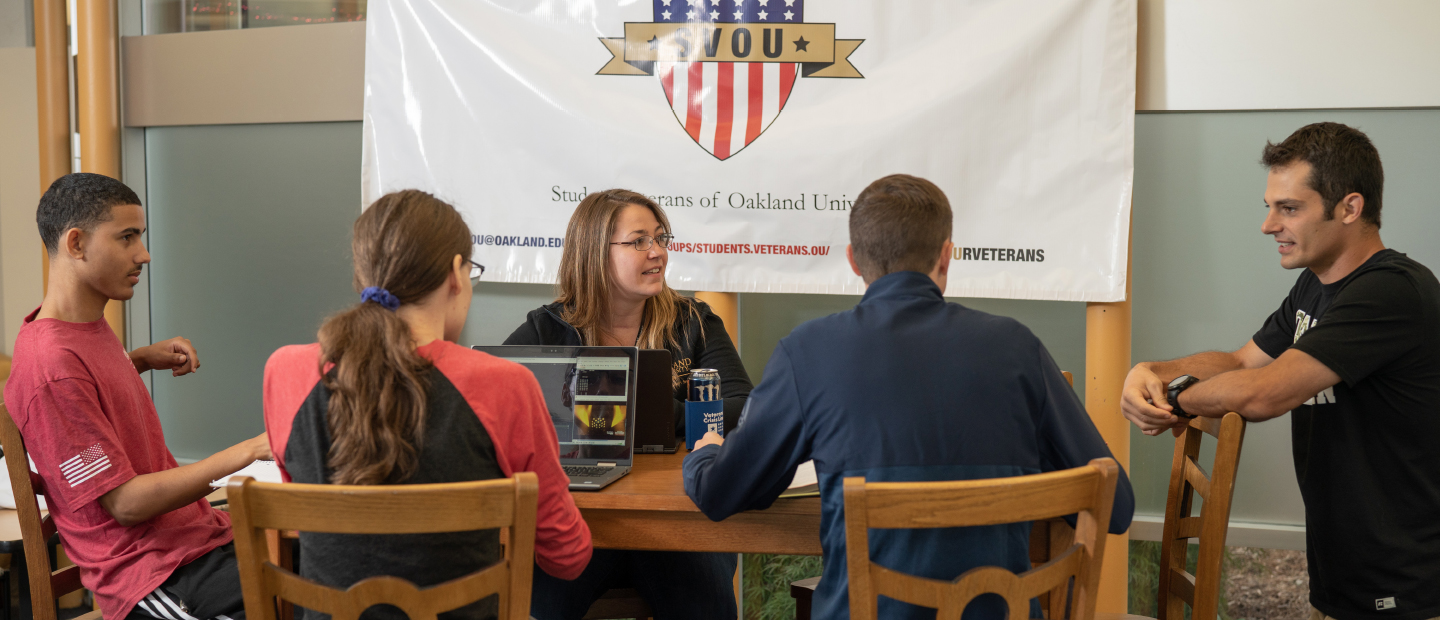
<point>476,270</point>
<point>642,244</point>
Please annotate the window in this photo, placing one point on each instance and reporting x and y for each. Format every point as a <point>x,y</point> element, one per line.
<point>167,16</point>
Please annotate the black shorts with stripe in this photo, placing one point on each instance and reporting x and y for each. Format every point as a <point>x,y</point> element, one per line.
<point>205,589</point>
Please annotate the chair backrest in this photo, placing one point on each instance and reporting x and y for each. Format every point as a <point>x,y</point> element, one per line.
<point>385,509</point>
<point>1087,491</point>
<point>35,529</point>
<point>1187,479</point>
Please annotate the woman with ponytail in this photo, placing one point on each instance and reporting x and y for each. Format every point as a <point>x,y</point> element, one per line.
<point>612,292</point>
<point>387,397</point>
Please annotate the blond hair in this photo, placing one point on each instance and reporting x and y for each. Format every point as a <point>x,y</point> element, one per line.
<point>583,288</point>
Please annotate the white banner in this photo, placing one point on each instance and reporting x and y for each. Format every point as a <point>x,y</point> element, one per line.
<point>754,124</point>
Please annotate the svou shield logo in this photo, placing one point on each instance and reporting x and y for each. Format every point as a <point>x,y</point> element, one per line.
<point>727,67</point>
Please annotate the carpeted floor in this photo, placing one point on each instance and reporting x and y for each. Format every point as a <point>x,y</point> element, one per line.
<point>1267,584</point>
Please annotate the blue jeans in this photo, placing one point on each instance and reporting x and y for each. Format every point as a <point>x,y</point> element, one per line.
<point>677,585</point>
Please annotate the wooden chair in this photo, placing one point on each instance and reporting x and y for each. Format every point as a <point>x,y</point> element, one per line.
<point>385,509</point>
<point>1178,587</point>
<point>1047,538</point>
<point>1087,491</point>
<point>46,584</point>
<point>619,604</point>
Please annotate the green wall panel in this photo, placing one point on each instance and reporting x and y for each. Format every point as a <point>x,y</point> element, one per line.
<point>765,318</point>
<point>250,241</point>
<point>499,308</point>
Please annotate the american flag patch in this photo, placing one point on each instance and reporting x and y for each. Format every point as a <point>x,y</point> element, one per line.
<point>85,465</point>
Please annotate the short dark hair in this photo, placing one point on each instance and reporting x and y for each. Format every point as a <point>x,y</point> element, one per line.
<point>1342,161</point>
<point>899,223</point>
<point>79,200</point>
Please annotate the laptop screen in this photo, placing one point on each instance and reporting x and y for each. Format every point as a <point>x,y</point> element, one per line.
<point>590,392</point>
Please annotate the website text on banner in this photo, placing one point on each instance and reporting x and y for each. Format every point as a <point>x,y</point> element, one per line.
<point>754,123</point>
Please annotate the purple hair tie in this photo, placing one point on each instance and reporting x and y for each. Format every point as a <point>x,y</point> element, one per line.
<point>380,296</point>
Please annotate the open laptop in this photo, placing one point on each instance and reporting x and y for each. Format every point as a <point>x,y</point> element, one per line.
<point>590,392</point>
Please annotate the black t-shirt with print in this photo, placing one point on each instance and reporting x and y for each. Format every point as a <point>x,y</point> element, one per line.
<point>1366,449</point>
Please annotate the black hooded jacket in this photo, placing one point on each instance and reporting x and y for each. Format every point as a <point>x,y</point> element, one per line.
<point>704,343</point>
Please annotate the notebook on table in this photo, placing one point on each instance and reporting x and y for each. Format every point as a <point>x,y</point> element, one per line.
<point>261,471</point>
<point>590,393</point>
<point>804,484</point>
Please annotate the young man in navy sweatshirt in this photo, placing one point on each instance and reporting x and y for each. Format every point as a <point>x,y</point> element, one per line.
<point>904,387</point>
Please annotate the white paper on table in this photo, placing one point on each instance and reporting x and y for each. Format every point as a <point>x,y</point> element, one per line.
<point>804,475</point>
<point>262,471</point>
<point>7,492</point>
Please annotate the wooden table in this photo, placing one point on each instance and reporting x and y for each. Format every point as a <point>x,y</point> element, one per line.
<point>648,509</point>
<point>10,524</point>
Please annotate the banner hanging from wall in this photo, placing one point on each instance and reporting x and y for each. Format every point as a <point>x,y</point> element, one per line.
<point>755,123</point>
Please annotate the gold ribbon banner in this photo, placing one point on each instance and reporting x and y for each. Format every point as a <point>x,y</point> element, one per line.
<point>812,45</point>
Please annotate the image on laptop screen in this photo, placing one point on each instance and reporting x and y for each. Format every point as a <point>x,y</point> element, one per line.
<point>588,392</point>
<point>599,385</point>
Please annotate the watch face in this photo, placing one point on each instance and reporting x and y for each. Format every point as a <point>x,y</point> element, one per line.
<point>1179,381</point>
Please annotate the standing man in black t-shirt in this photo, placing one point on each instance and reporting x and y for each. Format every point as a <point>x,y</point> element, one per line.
<point>1354,354</point>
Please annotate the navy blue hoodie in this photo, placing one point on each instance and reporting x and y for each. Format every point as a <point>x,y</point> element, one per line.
<point>904,387</point>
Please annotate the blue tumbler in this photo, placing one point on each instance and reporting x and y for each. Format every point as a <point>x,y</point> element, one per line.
<point>704,409</point>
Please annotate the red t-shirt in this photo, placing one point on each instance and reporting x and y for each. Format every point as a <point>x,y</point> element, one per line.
<point>503,395</point>
<point>90,426</point>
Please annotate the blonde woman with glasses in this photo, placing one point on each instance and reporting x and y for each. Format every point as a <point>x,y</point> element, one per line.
<point>612,292</point>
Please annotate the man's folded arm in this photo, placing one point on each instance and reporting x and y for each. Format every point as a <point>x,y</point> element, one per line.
<point>758,458</point>
<point>1367,327</point>
<point>1262,393</point>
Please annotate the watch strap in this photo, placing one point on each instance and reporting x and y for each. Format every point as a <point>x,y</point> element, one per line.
<point>1172,395</point>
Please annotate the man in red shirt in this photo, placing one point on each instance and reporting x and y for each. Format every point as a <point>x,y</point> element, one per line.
<point>137,524</point>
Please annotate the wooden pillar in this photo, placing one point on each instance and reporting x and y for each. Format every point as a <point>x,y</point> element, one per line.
<point>52,77</point>
<point>727,307</point>
<point>97,93</point>
<point>1107,360</point>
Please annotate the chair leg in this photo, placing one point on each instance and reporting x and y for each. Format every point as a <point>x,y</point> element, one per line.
<point>740,586</point>
<point>282,553</point>
<point>53,549</point>
<point>803,591</point>
<point>22,583</point>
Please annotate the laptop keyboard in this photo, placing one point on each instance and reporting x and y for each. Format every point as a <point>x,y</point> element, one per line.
<point>581,471</point>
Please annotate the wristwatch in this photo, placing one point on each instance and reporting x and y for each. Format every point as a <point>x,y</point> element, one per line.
<point>1172,394</point>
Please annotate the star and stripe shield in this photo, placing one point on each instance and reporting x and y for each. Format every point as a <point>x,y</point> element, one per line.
<point>725,106</point>
<point>728,67</point>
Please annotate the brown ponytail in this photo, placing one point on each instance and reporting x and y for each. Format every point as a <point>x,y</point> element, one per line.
<point>406,243</point>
